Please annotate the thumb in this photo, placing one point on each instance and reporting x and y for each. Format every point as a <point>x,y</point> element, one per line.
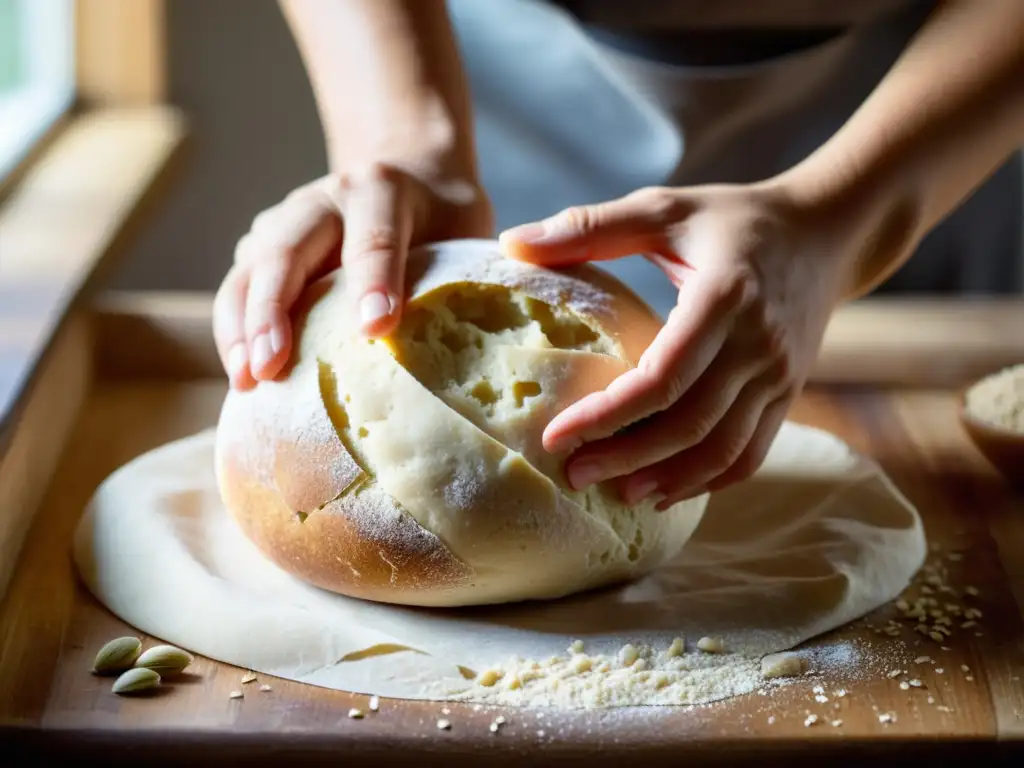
<point>632,224</point>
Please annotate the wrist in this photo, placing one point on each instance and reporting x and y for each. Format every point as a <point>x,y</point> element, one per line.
<point>423,135</point>
<point>870,221</point>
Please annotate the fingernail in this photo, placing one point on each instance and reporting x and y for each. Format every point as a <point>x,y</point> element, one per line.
<point>563,443</point>
<point>640,491</point>
<point>526,233</point>
<point>262,353</point>
<point>373,307</point>
<point>237,358</point>
<point>680,497</point>
<point>276,339</point>
<point>584,473</point>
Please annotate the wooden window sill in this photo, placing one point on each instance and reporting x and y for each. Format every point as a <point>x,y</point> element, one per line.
<point>65,220</point>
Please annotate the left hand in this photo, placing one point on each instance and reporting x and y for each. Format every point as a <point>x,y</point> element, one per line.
<point>758,278</point>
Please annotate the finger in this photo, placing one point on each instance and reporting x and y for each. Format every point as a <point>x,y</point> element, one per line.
<point>282,261</point>
<point>229,327</point>
<point>688,472</point>
<point>636,223</point>
<point>378,228</point>
<point>754,454</point>
<point>695,332</point>
<point>686,423</point>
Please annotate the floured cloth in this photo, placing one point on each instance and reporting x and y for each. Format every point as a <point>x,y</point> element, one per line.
<point>817,538</point>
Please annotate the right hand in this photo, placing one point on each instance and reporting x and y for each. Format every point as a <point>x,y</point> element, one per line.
<point>368,222</point>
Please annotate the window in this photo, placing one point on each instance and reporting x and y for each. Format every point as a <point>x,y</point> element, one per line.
<point>37,73</point>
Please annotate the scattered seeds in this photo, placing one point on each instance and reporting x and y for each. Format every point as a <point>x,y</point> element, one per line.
<point>117,655</point>
<point>355,714</point>
<point>165,660</point>
<point>811,720</point>
<point>904,686</point>
<point>836,723</point>
<point>265,688</point>
<point>374,703</point>
<point>135,680</point>
<point>444,725</point>
<point>677,647</point>
<point>248,677</point>
<point>711,644</point>
<point>628,654</point>
<point>235,695</point>
<point>489,677</point>
<point>782,665</point>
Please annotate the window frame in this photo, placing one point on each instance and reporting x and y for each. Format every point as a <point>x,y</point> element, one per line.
<point>118,51</point>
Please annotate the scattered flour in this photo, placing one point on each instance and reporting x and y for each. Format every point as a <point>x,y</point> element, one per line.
<point>638,675</point>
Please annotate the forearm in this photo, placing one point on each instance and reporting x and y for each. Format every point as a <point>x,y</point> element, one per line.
<point>388,82</point>
<point>946,116</point>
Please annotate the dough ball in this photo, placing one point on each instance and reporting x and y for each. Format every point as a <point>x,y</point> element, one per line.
<point>410,469</point>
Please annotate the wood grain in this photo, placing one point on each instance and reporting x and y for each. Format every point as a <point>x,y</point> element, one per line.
<point>51,704</point>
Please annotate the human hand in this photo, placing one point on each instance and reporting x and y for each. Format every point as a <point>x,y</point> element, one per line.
<point>368,221</point>
<point>758,279</point>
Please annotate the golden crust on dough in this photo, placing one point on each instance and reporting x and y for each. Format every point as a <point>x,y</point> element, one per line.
<point>300,495</point>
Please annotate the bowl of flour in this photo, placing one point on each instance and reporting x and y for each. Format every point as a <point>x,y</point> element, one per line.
<point>992,413</point>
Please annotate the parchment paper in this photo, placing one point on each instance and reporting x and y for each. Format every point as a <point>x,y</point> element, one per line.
<point>818,537</point>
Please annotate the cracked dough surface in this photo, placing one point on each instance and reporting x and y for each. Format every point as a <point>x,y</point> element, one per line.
<point>410,470</point>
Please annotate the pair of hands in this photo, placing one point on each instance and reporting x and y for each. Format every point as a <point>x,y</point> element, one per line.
<point>758,278</point>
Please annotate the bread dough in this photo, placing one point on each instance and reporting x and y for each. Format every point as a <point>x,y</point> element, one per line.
<point>818,537</point>
<point>410,470</point>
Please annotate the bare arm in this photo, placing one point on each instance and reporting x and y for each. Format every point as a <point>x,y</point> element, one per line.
<point>388,82</point>
<point>946,116</point>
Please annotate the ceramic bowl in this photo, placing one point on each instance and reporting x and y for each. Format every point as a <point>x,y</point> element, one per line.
<point>1003,448</point>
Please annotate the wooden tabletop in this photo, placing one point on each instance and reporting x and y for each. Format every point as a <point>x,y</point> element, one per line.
<point>972,709</point>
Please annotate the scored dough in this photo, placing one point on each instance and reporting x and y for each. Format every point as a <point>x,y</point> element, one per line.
<point>410,470</point>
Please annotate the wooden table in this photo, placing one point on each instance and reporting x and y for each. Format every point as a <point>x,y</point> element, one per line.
<point>133,371</point>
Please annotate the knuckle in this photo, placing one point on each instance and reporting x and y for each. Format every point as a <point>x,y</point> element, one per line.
<point>665,385</point>
<point>371,173</point>
<point>740,290</point>
<point>746,464</point>
<point>264,220</point>
<point>699,427</point>
<point>661,204</point>
<point>580,218</point>
<point>371,243</point>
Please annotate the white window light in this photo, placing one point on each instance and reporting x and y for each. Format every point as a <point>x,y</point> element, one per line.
<point>43,88</point>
